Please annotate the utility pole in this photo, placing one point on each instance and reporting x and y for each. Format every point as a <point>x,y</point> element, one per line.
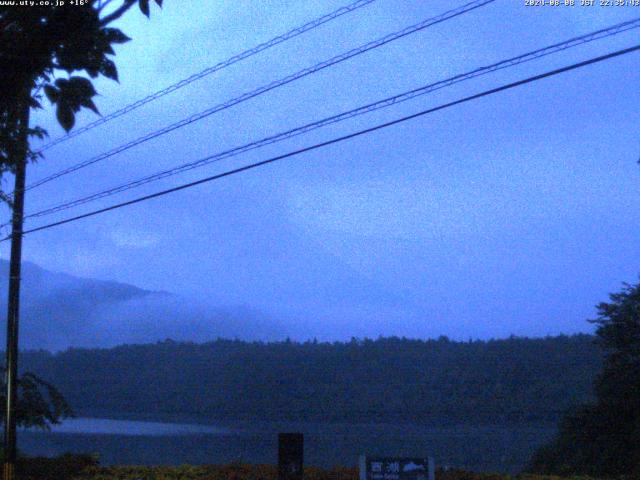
<point>13,309</point>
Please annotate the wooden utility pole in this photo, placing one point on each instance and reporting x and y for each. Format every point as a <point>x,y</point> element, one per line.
<point>13,309</point>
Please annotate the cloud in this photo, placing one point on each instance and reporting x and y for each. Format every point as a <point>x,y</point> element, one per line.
<point>134,238</point>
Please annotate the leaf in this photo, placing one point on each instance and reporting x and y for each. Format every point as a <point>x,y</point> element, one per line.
<point>34,102</point>
<point>61,83</point>
<point>52,93</point>
<point>114,35</point>
<point>74,93</point>
<point>144,7</point>
<point>109,70</point>
<point>88,103</point>
<point>65,116</point>
<point>38,132</point>
<point>81,87</point>
<point>92,70</point>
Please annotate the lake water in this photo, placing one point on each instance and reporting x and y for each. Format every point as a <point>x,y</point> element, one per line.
<point>484,448</point>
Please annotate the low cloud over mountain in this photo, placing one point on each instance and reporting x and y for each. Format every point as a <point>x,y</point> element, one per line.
<point>60,310</point>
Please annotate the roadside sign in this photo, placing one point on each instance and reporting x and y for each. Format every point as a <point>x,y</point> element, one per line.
<point>396,468</point>
<point>290,456</point>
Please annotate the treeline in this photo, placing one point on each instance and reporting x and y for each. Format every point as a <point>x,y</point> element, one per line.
<point>385,380</point>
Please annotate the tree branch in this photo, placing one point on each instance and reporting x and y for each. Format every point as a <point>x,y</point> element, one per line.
<point>118,12</point>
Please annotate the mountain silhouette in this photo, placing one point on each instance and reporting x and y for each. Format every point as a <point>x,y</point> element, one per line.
<point>60,311</point>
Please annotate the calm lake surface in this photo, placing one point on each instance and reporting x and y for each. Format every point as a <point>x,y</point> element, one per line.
<point>484,448</point>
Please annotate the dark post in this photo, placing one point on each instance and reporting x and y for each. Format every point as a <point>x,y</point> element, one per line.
<point>290,456</point>
<point>13,309</point>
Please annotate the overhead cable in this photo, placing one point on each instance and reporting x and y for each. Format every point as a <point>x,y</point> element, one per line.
<point>387,102</point>
<point>209,70</point>
<point>316,146</point>
<point>266,88</point>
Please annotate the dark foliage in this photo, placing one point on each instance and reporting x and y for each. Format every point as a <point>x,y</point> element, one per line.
<point>386,380</point>
<point>39,403</point>
<point>36,43</point>
<point>64,467</point>
<point>604,438</point>
<point>39,42</point>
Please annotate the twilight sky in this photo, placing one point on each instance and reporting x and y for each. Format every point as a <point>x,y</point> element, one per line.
<point>513,214</point>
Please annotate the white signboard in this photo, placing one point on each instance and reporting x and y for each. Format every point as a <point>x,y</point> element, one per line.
<point>396,468</point>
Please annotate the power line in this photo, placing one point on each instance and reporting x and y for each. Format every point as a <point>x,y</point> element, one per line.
<point>208,71</point>
<point>338,139</point>
<point>271,86</point>
<point>387,102</point>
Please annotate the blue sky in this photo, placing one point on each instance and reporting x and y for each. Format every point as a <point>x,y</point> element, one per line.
<point>513,214</point>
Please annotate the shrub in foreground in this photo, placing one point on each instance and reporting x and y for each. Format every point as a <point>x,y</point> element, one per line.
<point>86,467</point>
<point>64,467</point>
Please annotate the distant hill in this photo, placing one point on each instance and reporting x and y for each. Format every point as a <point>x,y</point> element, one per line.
<point>60,310</point>
<point>386,380</point>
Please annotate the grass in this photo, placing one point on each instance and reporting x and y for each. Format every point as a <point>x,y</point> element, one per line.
<point>86,467</point>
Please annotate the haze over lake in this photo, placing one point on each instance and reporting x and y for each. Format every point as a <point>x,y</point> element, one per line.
<point>488,448</point>
<point>105,426</point>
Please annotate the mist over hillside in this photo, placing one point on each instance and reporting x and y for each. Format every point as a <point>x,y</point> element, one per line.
<point>59,311</point>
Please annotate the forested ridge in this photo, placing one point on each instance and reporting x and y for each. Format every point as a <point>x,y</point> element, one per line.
<point>388,379</point>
